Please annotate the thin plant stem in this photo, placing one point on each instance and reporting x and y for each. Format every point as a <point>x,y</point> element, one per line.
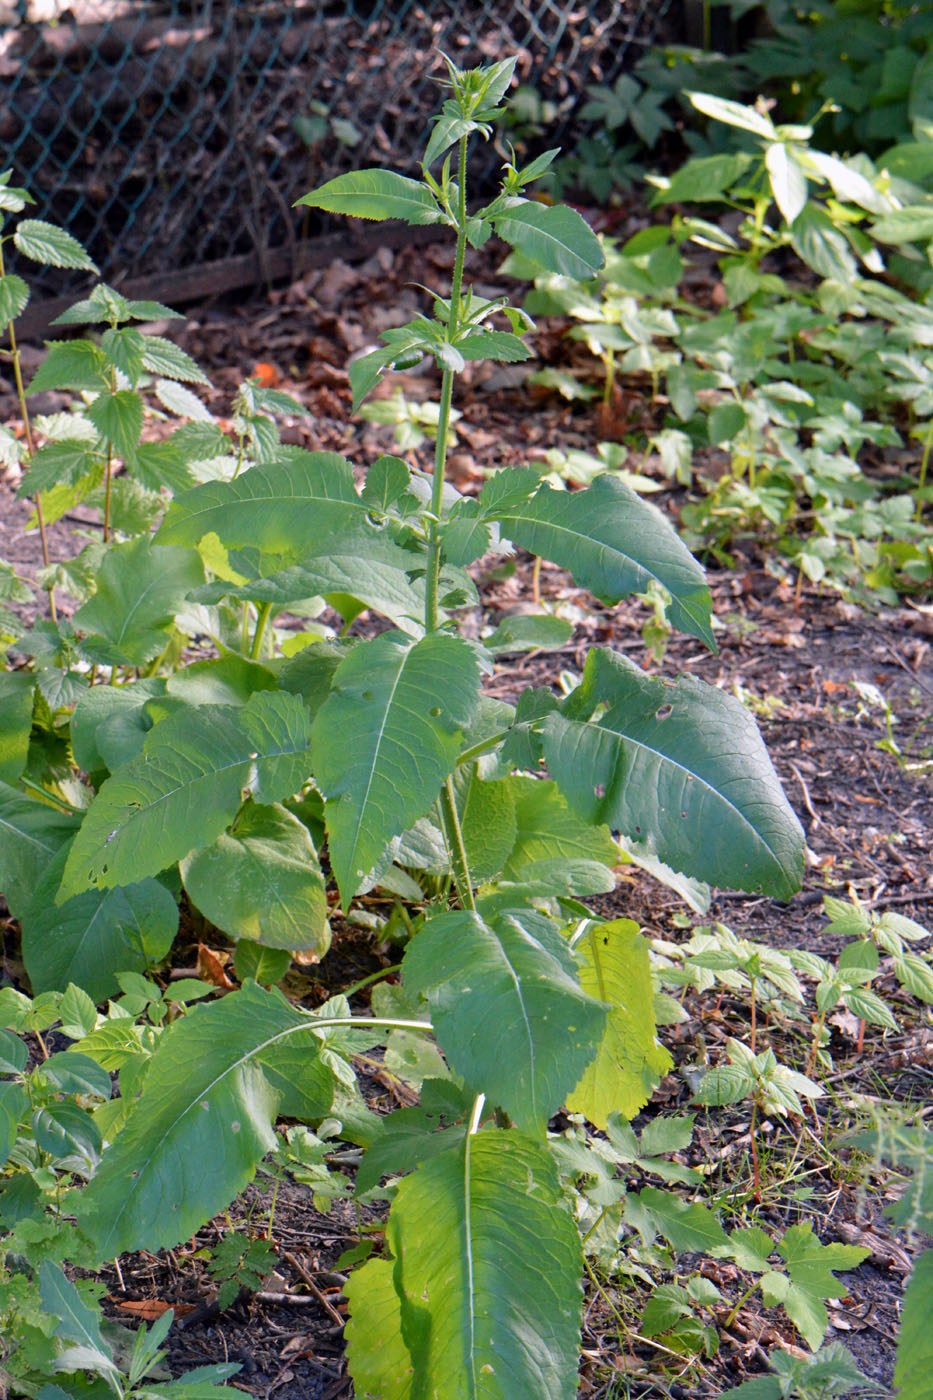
<point>262,622</point>
<point>30,445</point>
<point>443,419</point>
<point>458,853</point>
<point>924,464</point>
<point>452,831</point>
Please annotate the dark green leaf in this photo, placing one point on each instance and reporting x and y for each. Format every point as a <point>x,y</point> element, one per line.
<point>262,881</point>
<point>16,701</point>
<point>118,417</point>
<point>682,766</point>
<point>376,194</point>
<point>203,1121</point>
<point>553,236</point>
<point>199,765</point>
<point>506,1007</point>
<point>385,740</point>
<point>291,507</point>
<point>140,587</point>
<point>614,544</point>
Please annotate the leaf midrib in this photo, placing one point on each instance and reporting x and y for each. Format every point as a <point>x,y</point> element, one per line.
<point>179,1118</point>
<point>698,777</point>
<point>575,534</point>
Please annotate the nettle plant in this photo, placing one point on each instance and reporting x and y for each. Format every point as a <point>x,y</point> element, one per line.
<point>225,776</point>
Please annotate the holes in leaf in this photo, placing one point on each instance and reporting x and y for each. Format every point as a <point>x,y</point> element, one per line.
<point>663,711</point>
<point>599,790</point>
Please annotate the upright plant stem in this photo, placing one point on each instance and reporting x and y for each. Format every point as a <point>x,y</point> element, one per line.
<point>924,464</point>
<point>452,832</point>
<point>262,622</point>
<point>30,446</point>
<point>443,421</point>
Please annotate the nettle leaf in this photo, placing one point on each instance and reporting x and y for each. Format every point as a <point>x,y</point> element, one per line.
<point>682,765</point>
<point>554,236</point>
<point>30,834</point>
<point>385,740</point>
<point>487,1267</point>
<point>203,1121</point>
<point>140,588</point>
<point>262,881</point>
<point>165,358</point>
<point>614,544</point>
<point>507,1009</point>
<point>124,349</point>
<point>118,417</point>
<point>376,194</point>
<point>51,246</point>
<point>71,364</point>
<point>630,1062</point>
<point>14,297</point>
<point>915,1342</point>
<point>66,462</point>
<point>197,768</point>
<point>86,940</point>
<point>291,507</point>
<point>17,689</point>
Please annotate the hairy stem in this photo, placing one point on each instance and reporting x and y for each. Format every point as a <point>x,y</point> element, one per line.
<point>30,445</point>
<point>456,846</point>
<point>443,421</point>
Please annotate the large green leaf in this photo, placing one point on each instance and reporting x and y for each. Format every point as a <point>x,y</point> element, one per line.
<point>109,723</point>
<point>197,768</point>
<point>16,699</point>
<point>262,881</point>
<point>93,936</point>
<point>614,544</point>
<point>385,740</point>
<point>30,834</point>
<point>203,1121</point>
<point>553,236</point>
<point>915,1343</point>
<point>292,507</point>
<point>615,969</point>
<point>376,194</point>
<point>682,766</point>
<point>140,587</point>
<point>360,563</point>
<point>487,1266</point>
<point>377,1356</point>
<point>548,830</point>
<point>507,1009</point>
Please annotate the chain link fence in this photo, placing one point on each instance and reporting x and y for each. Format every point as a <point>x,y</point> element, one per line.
<point>167,134</point>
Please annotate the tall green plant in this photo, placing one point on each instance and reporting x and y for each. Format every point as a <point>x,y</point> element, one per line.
<point>226,775</point>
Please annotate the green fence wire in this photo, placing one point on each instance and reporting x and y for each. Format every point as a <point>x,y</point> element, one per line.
<point>170,133</point>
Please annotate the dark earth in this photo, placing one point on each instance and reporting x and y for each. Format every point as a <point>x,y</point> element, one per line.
<point>793,654</point>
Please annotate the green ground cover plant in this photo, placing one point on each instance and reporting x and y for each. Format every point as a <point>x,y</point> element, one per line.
<point>171,743</point>
<point>795,376</point>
